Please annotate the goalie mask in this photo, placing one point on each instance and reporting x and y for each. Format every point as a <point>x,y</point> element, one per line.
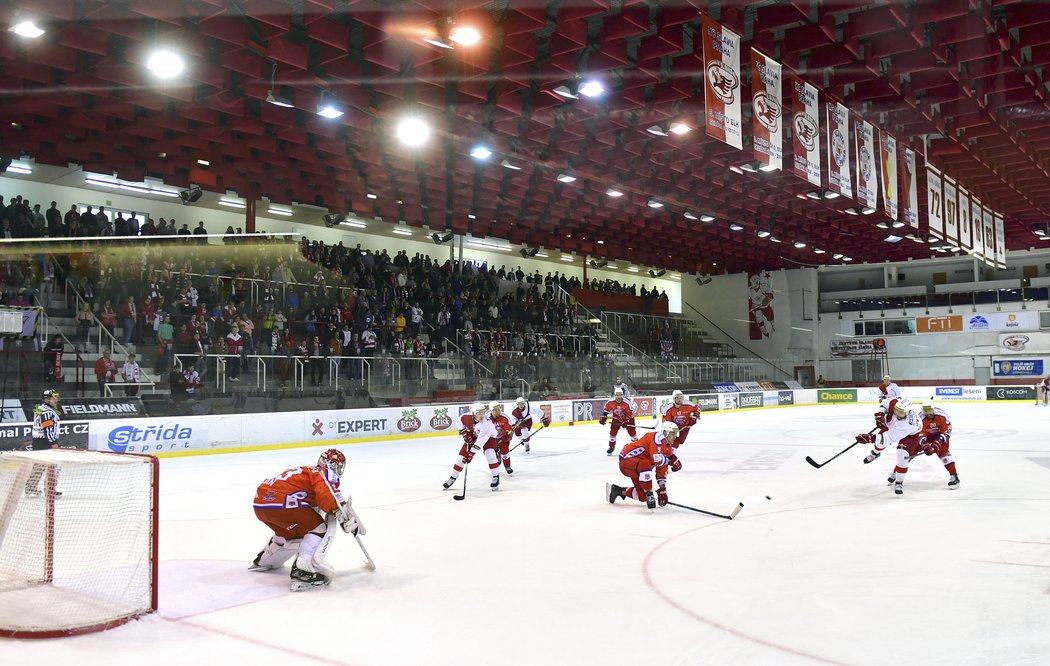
<point>334,460</point>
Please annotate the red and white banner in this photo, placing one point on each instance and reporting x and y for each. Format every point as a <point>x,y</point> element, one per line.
<point>722,85</point>
<point>977,217</point>
<point>767,110</point>
<point>951,210</point>
<point>888,167</point>
<point>935,204</point>
<point>988,222</point>
<point>838,149</point>
<point>805,125</point>
<point>910,204</point>
<point>1000,241</point>
<point>867,174</point>
<point>965,221</point>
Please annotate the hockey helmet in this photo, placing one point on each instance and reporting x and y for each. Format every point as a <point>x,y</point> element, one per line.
<point>669,429</point>
<point>334,460</point>
<point>520,402</point>
<point>902,407</point>
<point>478,407</point>
<point>49,393</point>
<point>927,407</point>
<point>678,397</point>
<point>495,406</point>
<point>885,379</point>
<point>618,393</point>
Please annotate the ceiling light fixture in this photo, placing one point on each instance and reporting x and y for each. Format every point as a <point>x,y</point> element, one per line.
<point>656,130</point>
<point>507,165</point>
<point>371,196</point>
<point>413,131</point>
<point>472,216</point>
<point>750,167</point>
<point>27,29</point>
<point>817,250</point>
<point>232,204</point>
<point>327,108</point>
<point>480,153</point>
<point>831,194</point>
<point>17,168</point>
<point>690,216</point>
<point>847,258</point>
<point>850,211</point>
<point>763,233</point>
<point>883,225</point>
<point>679,128</point>
<point>774,239</point>
<point>465,35</point>
<point>867,211</point>
<point>591,88</point>
<point>836,256</point>
<point>799,244</point>
<point>566,257</point>
<point>768,167</point>
<point>613,192</point>
<point>707,217</point>
<point>653,203</point>
<point>275,99</point>
<point>565,91</point>
<point>566,178</point>
<point>280,211</point>
<point>204,162</point>
<point>401,232</point>
<point>735,227</point>
<point>165,64</point>
<point>354,223</point>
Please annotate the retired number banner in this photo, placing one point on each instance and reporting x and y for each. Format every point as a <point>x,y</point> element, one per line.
<point>888,165</point>
<point>977,225</point>
<point>965,221</point>
<point>722,85</point>
<point>911,189</point>
<point>838,149</point>
<point>951,210</point>
<point>767,110</point>
<point>805,125</point>
<point>1000,241</point>
<point>989,236</point>
<point>867,174</point>
<point>935,205</point>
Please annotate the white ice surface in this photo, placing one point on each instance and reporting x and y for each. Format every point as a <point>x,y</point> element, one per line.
<point>834,569</point>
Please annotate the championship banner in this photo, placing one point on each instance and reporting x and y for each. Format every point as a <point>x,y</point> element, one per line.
<point>1000,242</point>
<point>888,165</point>
<point>935,204</point>
<point>988,224</point>
<point>977,226</point>
<point>951,210</point>
<point>767,110</point>
<point>867,174</point>
<point>722,85</point>
<point>965,221</point>
<point>838,149</point>
<point>911,189</point>
<point>805,124</point>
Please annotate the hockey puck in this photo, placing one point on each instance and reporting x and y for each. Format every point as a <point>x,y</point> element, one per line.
<point>768,497</point>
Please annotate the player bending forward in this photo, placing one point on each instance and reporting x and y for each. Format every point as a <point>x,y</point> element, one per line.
<point>899,425</point>
<point>479,432</point>
<point>641,461</point>
<point>933,439</point>
<point>523,418</point>
<point>300,506</point>
<point>621,412</point>
<point>683,414</point>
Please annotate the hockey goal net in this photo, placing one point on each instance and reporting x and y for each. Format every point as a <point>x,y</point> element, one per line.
<point>78,541</point>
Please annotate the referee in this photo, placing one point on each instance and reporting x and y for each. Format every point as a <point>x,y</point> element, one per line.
<point>45,435</point>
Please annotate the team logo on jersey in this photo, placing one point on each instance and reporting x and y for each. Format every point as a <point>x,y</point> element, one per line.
<point>806,130</point>
<point>441,419</point>
<point>723,81</point>
<point>408,421</point>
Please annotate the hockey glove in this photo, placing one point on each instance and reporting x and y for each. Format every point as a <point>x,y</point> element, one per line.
<point>602,420</point>
<point>928,447</point>
<point>350,525</point>
<point>545,420</point>
<point>468,436</point>
<point>470,453</point>
<point>865,438</point>
<point>676,464</point>
<point>661,496</point>
<point>880,422</point>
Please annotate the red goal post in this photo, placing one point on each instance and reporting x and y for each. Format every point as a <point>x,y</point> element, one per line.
<point>78,541</point>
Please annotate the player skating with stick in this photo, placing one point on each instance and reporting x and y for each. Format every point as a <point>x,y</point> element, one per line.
<point>479,433</point>
<point>643,461</point>
<point>621,411</point>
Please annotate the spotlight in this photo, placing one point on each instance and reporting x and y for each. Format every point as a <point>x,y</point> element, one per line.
<point>439,239</point>
<point>591,89</point>
<point>656,274</point>
<point>332,219</point>
<point>327,108</point>
<point>192,195</point>
<point>275,99</point>
<point>413,131</point>
<point>165,64</point>
<point>480,152</point>
<point>465,35</point>
<point>599,264</point>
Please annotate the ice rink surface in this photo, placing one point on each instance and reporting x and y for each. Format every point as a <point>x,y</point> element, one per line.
<point>833,569</point>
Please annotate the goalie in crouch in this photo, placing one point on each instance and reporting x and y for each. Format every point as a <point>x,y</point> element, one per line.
<point>301,506</point>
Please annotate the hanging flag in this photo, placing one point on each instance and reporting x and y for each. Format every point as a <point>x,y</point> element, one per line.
<point>951,210</point>
<point>767,110</point>
<point>911,189</point>
<point>935,204</point>
<point>1000,241</point>
<point>805,126</point>
<point>838,149</point>
<point>722,85</point>
<point>888,165</point>
<point>965,221</point>
<point>977,217</point>
<point>867,174</point>
<point>988,223</point>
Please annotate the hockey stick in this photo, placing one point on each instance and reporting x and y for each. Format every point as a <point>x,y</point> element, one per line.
<point>730,516</point>
<point>640,427</point>
<point>525,439</point>
<point>344,515</point>
<point>463,496</point>
<point>819,465</point>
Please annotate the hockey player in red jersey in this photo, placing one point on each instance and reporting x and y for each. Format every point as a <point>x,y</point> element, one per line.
<point>898,425</point>
<point>504,430</point>
<point>683,414</point>
<point>644,460</point>
<point>479,433</point>
<point>621,412</point>
<point>934,439</point>
<point>300,506</point>
<point>523,419</point>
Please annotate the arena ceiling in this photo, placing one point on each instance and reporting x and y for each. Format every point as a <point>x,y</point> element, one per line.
<point>966,76</point>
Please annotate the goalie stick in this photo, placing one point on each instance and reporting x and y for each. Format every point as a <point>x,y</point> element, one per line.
<point>729,516</point>
<point>345,512</point>
<point>819,465</point>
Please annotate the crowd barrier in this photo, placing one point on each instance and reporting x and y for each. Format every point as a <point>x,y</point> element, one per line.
<point>195,435</point>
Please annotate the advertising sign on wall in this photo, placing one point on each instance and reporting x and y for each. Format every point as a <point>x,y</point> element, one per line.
<point>1010,392</point>
<point>1024,343</point>
<point>959,393</point>
<point>846,348</point>
<point>837,395</point>
<point>1002,321</point>
<point>728,400</point>
<point>945,324</point>
<point>726,388</point>
<point>1017,368</point>
<point>706,402</point>
<point>785,397</point>
<point>749,400</point>
<point>72,434</point>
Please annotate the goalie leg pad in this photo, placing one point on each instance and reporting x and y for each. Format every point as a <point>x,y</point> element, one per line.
<point>313,550</point>
<point>278,551</point>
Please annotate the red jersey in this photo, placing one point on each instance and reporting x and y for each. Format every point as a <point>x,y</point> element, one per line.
<point>683,416</point>
<point>621,411</point>
<point>503,429</point>
<point>298,487</point>
<point>937,424</point>
<point>649,450</point>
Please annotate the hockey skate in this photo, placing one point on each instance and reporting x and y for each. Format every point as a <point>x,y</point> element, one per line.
<point>892,479</point>
<point>526,447</point>
<point>611,447</point>
<point>507,467</point>
<point>953,482</point>
<point>872,456</point>
<point>650,501</point>
<point>259,567</point>
<point>495,483</point>
<point>448,484</point>
<point>305,580</point>
<point>613,492</point>
<point>898,488</point>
